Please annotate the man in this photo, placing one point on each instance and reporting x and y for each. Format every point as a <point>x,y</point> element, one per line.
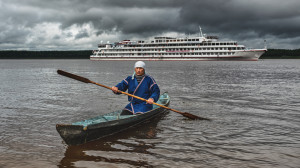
<point>141,85</point>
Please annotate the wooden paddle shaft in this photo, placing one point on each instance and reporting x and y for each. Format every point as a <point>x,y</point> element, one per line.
<point>128,94</point>
<point>188,115</point>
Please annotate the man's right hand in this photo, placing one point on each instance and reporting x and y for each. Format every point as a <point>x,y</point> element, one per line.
<point>115,89</point>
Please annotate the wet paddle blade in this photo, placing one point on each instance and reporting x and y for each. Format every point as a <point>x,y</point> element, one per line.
<point>76,77</point>
<point>193,117</point>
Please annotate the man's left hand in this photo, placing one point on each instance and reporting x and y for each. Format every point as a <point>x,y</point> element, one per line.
<point>150,101</point>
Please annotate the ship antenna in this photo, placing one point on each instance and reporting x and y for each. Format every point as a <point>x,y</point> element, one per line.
<point>265,41</point>
<point>201,35</point>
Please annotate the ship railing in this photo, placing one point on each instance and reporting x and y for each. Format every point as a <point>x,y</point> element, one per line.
<point>174,49</point>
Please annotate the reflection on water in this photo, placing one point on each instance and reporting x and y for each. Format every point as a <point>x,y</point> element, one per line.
<point>126,148</point>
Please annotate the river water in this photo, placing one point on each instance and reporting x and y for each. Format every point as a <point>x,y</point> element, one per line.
<point>254,107</point>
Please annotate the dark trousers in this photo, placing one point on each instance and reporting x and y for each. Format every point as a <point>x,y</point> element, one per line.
<point>126,112</point>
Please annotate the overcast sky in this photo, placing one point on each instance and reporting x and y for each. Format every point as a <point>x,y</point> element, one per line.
<point>82,24</point>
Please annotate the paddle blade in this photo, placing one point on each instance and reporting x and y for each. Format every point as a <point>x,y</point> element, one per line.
<point>193,117</point>
<point>76,77</point>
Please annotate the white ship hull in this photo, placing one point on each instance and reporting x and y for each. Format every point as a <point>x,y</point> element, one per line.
<point>245,55</point>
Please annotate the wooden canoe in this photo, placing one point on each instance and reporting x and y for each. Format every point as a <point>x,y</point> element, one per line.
<point>107,124</point>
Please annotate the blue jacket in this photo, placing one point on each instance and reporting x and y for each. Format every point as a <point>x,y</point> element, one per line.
<point>146,89</point>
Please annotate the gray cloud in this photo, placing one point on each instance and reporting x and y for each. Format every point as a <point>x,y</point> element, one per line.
<point>82,34</point>
<point>68,24</point>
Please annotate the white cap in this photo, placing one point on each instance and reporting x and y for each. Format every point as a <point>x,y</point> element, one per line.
<point>140,64</point>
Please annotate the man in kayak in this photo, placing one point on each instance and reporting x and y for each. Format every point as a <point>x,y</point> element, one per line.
<point>141,85</point>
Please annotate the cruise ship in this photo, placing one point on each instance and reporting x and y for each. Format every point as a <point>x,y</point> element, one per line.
<point>202,48</point>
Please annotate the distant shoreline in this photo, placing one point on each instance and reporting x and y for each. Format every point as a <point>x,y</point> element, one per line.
<point>281,54</point>
<point>85,54</point>
<point>14,54</point>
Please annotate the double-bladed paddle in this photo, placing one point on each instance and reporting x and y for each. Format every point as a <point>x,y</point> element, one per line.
<point>85,80</point>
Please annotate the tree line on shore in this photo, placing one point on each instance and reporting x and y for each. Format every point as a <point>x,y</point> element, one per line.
<point>85,54</point>
<point>13,54</point>
<point>281,54</point>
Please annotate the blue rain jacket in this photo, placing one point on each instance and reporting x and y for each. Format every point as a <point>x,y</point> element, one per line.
<point>146,89</point>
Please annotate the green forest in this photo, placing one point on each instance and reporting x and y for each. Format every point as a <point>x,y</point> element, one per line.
<point>85,54</point>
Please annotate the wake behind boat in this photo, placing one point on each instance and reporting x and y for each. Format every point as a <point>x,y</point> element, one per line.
<point>107,124</point>
<point>176,49</point>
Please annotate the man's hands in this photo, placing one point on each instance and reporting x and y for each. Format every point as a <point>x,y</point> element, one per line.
<point>115,89</point>
<point>150,101</point>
